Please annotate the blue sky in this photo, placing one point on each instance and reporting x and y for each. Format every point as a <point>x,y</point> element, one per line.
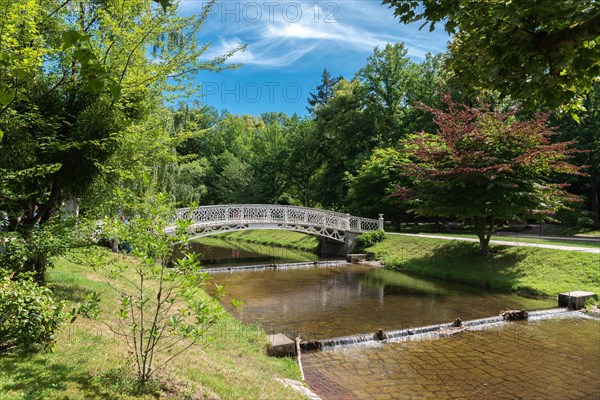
<point>289,43</point>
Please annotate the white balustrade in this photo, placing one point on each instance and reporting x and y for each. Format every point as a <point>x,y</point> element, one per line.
<point>208,220</point>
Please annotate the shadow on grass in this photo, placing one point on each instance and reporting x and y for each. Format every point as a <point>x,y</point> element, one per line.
<point>68,292</point>
<point>36,377</point>
<point>462,262</point>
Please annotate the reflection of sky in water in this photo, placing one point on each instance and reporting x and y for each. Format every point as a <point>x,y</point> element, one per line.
<point>351,299</point>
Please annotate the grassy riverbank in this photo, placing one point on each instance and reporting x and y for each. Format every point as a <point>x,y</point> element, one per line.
<point>88,360</point>
<point>283,254</point>
<point>505,238</point>
<point>592,234</point>
<point>526,270</point>
<point>291,239</point>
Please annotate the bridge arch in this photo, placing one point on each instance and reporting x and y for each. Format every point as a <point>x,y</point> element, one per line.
<point>212,220</point>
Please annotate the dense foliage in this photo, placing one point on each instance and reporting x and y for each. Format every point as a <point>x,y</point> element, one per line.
<point>163,309</point>
<point>370,238</point>
<point>321,160</point>
<point>29,314</point>
<point>486,166</point>
<point>585,132</point>
<point>77,79</point>
<point>345,155</point>
<point>540,52</point>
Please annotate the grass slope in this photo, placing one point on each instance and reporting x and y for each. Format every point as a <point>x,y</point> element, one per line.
<point>85,362</point>
<point>594,234</point>
<point>291,239</point>
<point>527,270</point>
<point>284,253</point>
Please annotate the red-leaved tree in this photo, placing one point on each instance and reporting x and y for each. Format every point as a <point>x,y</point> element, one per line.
<point>485,166</point>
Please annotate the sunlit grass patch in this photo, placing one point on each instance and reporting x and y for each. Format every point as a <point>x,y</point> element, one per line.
<point>89,357</point>
<point>527,270</point>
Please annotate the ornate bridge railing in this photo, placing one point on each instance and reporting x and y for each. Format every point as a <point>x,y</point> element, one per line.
<point>210,220</point>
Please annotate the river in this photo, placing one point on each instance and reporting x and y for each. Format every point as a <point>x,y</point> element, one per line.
<point>558,358</point>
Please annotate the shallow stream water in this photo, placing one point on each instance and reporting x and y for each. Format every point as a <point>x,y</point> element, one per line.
<point>547,359</point>
<point>319,303</point>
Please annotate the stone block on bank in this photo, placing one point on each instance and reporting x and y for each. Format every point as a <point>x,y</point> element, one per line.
<point>280,345</point>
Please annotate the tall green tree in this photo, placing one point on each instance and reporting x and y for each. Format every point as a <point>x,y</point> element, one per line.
<point>324,91</point>
<point>542,52</point>
<point>346,133</point>
<point>79,74</point>
<point>386,79</point>
<point>586,134</point>
<point>428,80</point>
<point>233,183</point>
<point>370,189</point>
<point>306,158</point>
<point>270,153</point>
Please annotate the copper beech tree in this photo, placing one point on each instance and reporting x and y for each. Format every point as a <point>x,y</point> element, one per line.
<point>484,166</point>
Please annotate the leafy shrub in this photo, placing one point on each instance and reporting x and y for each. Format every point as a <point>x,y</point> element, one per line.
<point>370,238</point>
<point>39,245</point>
<point>163,310</point>
<point>584,222</point>
<point>574,218</point>
<point>29,315</point>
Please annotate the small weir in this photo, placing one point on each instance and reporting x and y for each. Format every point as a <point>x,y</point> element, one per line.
<point>284,266</point>
<point>552,355</point>
<point>424,332</point>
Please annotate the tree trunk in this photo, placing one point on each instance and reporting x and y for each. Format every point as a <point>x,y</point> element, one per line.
<point>397,221</point>
<point>484,233</point>
<point>595,197</point>
<point>307,193</point>
<point>38,265</point>
<point>38,261</point>
<point>484,245</point>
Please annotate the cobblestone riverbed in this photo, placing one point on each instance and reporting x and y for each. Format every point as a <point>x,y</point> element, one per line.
<point>547,359</point>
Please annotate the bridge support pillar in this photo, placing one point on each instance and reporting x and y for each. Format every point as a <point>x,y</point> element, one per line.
<point>350,242</point>
<point>331,248</point>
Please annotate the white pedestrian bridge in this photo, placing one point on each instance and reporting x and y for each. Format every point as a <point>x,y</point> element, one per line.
<point>212,220</point>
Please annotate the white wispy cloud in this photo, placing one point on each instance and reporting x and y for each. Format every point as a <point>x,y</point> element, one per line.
<point>286,33</point>
<point>260,53</point>
<point>352,37</point>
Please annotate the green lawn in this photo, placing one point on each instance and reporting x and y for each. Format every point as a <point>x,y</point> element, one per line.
<point>291,239</point>
<point>84,364</point>
<point>594,234</point>
<point>558,241</point>
<point>550,230</point>
<point>282,253</point>
<point>526,270</point>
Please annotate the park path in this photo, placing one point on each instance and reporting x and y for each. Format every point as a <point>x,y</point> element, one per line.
<point>591,249</point>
